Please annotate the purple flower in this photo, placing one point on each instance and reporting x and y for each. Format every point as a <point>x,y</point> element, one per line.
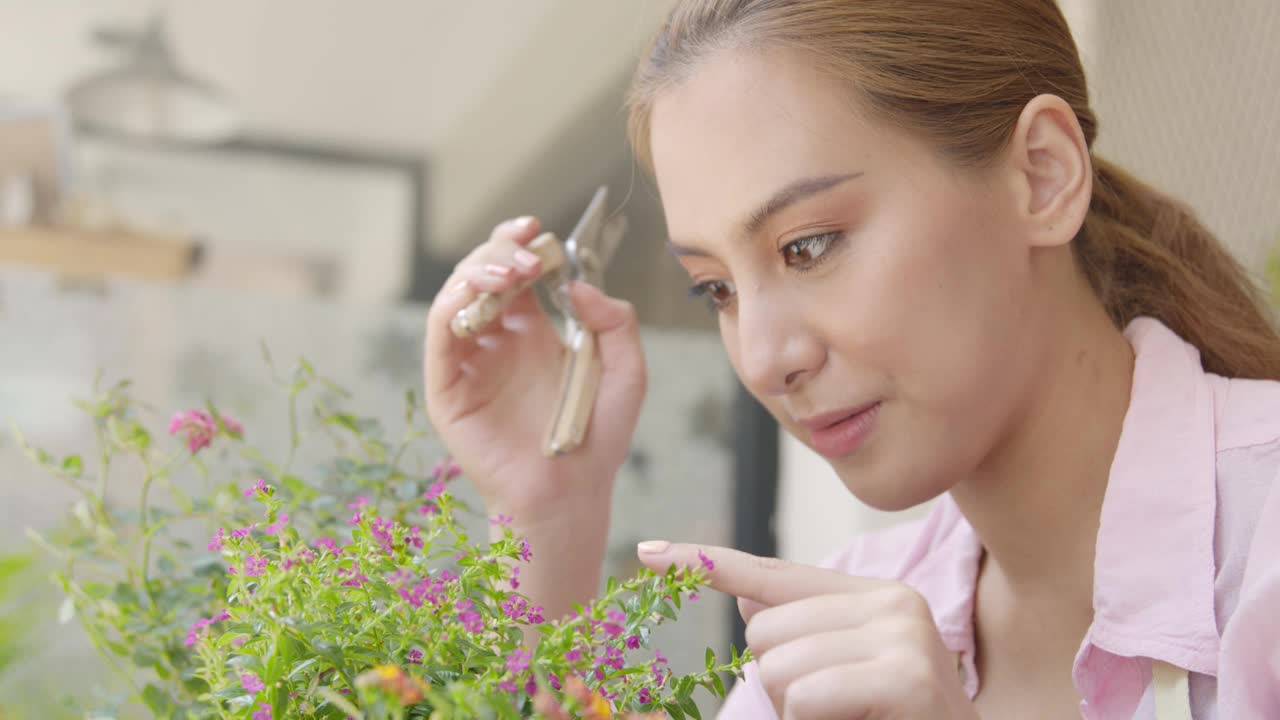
<point>525,552</point>
<point>361,503</point>
<point>279,525</point>
<point>355,519</point>
<point>693,597</point>
<point>263,712</point>
<point>518,661</point>
<point>469,618</point>
<point>414,538</point>
<point>531,687</point>
<point>534,617</point>
<point>573,655</point>
<point>251,683</point>
<point>258,487</point>
<point>508,686</point>
<point>428,510</point>
<point>244,532</point>
<point>555,681</point>
<point>706,561</point>
<point>515,577</point>
<point>613,628</point>
<point>633,642</point>
<point>217,541</point>
<point>660,658</point>
<point>433,492</point>
<point>644,697</point>
<point>254,566</point>
<point>414,657</point>
<point>501,521</point>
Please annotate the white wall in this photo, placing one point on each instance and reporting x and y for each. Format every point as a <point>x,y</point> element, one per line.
<point>478,87</point>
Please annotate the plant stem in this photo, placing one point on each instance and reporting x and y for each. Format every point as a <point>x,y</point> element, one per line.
<point>146,534</point>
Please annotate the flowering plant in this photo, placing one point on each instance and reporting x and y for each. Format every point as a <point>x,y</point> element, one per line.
<point>354,594</point>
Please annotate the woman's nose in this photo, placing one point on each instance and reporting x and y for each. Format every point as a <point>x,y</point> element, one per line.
<point>778,349</point>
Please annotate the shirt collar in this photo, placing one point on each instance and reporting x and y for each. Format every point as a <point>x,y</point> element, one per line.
<point>1154,566</point>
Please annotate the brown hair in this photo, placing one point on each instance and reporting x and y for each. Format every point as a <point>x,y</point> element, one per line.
<point>958,73</point>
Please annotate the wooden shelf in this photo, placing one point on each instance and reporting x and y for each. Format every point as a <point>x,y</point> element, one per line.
<point>88,254</point>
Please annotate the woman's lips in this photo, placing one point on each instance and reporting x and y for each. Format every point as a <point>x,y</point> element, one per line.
<point>836,435</point>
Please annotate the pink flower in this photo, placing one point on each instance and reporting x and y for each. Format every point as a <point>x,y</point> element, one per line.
<point>518,661</point>
<point>469,618</point>
<point>263,712</point>
<point>555,681</point>
<point>361,503</point>
<point>414,657</point>
<point>633,642</point>
<point>196,425</point>
<point>232,426</point>
<point>217,541</point>
<point>573,655</point>
<point>244,532</point>
<point>534,617</point>
<point>515,577</point>
<point>279,525</point>
<point>433,492</point>
<point>508,686</point>
<point>414,538</point>
<point>445,470</point>
<point>693,597</point>
<point>258,487</point>
<point>428,510</point>
<point>525,552</point>
<point>706,561</point>
<point>328,544</point>
<point>501,521</point>
<point>355,519</point>
<point>251,683</point>
<point>644,697</point>
<point>531,687</point>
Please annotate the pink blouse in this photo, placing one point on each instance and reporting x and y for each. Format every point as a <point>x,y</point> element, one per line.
<point>1187,568</point>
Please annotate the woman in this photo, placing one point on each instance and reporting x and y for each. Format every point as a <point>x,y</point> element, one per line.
<point>926,275</point>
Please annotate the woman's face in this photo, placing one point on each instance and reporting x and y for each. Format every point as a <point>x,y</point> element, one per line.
<point>873,297</point>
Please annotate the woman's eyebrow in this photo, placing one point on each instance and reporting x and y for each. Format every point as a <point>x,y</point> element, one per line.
<point>790,194</point>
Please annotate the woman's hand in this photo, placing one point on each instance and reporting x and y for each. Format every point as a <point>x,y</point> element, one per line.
<point>830,646</point>
<point>491,397</point>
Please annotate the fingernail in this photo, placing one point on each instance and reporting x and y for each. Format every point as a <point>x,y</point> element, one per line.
<point>524,221</point>
<point>526,259</point>
<point>499,270</point>
<point>461,287</point>
<point>652,547</point>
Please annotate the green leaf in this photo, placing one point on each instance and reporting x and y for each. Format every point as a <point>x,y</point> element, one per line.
<point>673,710</point>
<point>690,707</point>
<point>73,465</point>
<point>718,685</point>
<point>301,667</point>
<point>711,659</point>
<point>158,701</point>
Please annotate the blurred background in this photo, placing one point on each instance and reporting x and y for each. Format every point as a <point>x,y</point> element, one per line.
<point>180,180</point>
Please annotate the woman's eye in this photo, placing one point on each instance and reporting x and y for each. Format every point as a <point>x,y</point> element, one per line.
<point>807,252</point>
<point>717,292</point>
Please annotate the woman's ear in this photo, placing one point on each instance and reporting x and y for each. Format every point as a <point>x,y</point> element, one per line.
<point>1051,170</point>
